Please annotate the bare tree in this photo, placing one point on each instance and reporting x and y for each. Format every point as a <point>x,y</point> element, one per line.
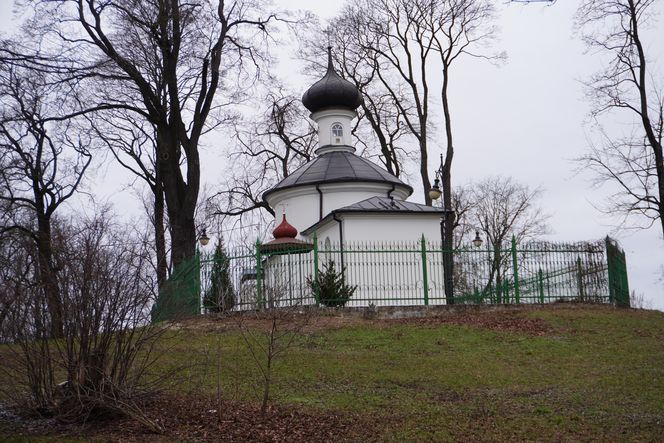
<point>502,208</point>
<point>275,144</point>
<point>132,142</point>
<point>44,162</point>
<point>14,261</point>
<point>271,333</point>
<point>398,49</point>
<point>628,87</point>
<point>463,223</point>
<point>400,42</point>
<point>165,61</point>
<point>380,128</point>
<point>457,27</point>
<point>397,43</point>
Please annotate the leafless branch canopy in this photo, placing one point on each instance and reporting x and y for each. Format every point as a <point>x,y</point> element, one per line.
<point>628,88</point>
<point>276,143</point>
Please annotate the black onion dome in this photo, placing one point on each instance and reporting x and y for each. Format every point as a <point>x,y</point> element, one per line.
<point>331,91</point>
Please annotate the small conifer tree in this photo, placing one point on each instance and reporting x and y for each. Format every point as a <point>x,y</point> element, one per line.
<point>331,287</point>
<point>220,296</point>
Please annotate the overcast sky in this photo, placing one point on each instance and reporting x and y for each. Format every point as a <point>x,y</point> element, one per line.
<point>525,119</point>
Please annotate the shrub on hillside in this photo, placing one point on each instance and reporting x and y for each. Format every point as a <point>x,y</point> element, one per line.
<point>331,287</point>
<point>101,364</point>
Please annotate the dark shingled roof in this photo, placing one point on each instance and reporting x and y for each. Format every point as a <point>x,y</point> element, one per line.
<point>335,167</point>
<point>378,204</point>
<point>386,204</point>
<point>331,91</point>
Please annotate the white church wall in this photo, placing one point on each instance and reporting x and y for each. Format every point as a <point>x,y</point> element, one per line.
<point>328,231</point>
<point>391,227</point>
<point>301,204</point>
<point>382,256</point>
<point>381,271</point>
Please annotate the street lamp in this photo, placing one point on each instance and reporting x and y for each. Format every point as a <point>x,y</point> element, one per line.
<point>204,239</point>
<point>435,192</point>
<point>477,241</point>
<point>447,222</point>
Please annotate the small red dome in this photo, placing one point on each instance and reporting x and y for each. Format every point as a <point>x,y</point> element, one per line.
<point>284,230</point>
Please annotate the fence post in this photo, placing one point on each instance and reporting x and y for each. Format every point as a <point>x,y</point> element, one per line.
<point>515,268</point>
<point>198,282</point>
<point>540,278</point>
<point>259,275</point>
<point>316,289</point>
<point>425,275</point>
<point>579,278</point>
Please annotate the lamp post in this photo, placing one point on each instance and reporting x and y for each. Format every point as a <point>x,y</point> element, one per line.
<point>446,224</point>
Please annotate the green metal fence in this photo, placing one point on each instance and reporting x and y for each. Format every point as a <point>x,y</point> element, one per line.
<point>411,273</point>
<point>180,295</point>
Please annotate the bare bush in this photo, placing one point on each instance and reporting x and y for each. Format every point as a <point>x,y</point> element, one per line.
<point>269,334</point>
<point>104,357</point>
<point>639,301</point>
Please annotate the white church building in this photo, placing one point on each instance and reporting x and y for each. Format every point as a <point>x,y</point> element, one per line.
<point>355,212</point>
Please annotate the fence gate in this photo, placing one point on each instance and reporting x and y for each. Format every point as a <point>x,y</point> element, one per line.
<point>618,285</point>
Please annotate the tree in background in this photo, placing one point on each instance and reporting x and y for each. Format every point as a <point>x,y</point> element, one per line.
<point>133,144</point>
<point>397,44</point>
<point>220,296</point>
<point>271,146</point>
<point>502,208</point>
<point>173,64</point>
<point>631,87</point>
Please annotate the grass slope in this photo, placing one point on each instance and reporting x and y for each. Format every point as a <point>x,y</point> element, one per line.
<point>559,373</point>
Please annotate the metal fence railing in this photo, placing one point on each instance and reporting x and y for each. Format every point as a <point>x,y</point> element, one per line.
<point>409,274</point>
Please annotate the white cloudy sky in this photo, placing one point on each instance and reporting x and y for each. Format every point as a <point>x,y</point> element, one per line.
<point>523,119</point>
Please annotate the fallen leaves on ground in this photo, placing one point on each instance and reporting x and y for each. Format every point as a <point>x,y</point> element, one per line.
<point>498,320</point>
<point>204,419</point>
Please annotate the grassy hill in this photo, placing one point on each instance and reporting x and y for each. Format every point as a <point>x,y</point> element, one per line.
<point>553,373</point>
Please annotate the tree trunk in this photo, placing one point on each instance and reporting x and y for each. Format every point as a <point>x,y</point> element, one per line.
<point>497,259</point>
<point>388,153</point>
<point>424,164</point>
<point>47,277</point>
<point>448,257</point>
<point>447,188</point>
<point>659,169</point>
<point>183,238</point>
<point>180,195</point>
<point>159,230</point>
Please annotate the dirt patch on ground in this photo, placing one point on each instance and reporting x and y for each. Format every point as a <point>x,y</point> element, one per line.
<point>201,419</point>
<point>301,321</point>
<point>504,321</point>
<point>309,321</point>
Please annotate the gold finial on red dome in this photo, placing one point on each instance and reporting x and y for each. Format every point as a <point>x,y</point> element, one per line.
<point>285,229</point>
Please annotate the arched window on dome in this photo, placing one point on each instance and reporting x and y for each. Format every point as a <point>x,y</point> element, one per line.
<point>337,132</point>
